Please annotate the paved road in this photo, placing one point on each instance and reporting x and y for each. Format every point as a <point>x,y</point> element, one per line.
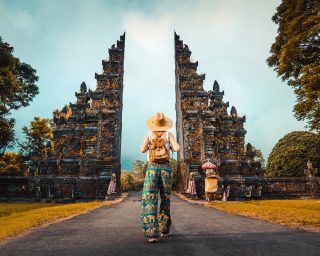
<point>197,230</point>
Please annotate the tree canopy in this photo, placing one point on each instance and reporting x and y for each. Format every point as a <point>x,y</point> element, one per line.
<point>256,154</point>
<point>17,89</point>
<point>13,164</point>
<point>6,133</point>
<point>295,55</point>
<point>139,167</point>
<point>38,139</point>
<point>290,155</point>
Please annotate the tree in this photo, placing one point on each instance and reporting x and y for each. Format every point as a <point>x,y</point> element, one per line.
<point>38,139</point>
<point>127,182</point>
<point>174,164</point>
<point>139,167</point>
<point>290,155</point>
<point>12,164</point>
<point>259,156</point>
<point>295,55</point>
<point>17,89</point>
<point>256,153</point>
<point>6,133</point>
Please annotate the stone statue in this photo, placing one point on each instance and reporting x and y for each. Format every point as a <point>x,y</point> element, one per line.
<point>312,180</point>
<point>191,185</point>
<point>112,184</point>
<point>309,171</point>
<point>226,193</point>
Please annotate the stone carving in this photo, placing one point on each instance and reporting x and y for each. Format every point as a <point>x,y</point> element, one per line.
<point>312,181</point>
<point>226,193</point>
<point>309,171</point>
<point>248,192</point>
<point>257,192</point>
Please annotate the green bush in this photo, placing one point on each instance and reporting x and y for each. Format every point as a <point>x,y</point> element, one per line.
<point>290,155</point>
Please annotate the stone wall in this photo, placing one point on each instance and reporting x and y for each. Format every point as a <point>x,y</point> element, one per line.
<point>271,188</point>
<point>80,188</point>
<point>56,188</point>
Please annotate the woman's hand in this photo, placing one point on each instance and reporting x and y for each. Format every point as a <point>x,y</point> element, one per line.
<point>144,147</point>
<point>173,144</point>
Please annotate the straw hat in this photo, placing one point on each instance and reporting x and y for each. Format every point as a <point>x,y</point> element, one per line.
<point>159,122</point>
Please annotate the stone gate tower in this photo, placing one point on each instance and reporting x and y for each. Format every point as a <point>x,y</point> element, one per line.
<point>87,135</point>
<point>205,129</point>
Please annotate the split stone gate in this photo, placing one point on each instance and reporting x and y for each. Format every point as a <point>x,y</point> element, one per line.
<point>87,139</point>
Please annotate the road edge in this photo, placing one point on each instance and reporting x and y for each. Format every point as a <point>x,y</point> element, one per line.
<point>116,201</point>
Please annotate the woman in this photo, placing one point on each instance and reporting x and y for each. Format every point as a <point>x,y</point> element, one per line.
<point>158,177</point>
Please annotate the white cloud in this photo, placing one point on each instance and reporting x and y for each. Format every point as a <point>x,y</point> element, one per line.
<point>148,33</point>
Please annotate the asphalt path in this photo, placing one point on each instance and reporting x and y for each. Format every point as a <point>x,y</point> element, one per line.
<point>197,230</point>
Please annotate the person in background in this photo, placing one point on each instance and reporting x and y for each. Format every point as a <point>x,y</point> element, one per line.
<point>112,184</point>
<point>191,185</point>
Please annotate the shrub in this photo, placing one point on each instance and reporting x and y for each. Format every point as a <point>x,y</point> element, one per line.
<point>12,164</point>
<point>290,155</point>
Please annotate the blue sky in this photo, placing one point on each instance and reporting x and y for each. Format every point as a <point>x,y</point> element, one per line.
<point>65,42</point>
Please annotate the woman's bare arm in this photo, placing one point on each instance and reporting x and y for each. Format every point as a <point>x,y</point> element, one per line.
<point>175,146</point>
<point>144,147</point>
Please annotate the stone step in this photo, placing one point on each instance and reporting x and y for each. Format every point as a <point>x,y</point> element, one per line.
<point>112,196</point>
<point>194,167</point>
<point>194,197</point>
<point>106,168</point>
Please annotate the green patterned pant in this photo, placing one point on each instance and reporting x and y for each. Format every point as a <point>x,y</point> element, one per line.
<point>156,219</point>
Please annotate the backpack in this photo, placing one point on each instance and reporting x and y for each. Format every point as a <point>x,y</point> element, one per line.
<point>158,152</point>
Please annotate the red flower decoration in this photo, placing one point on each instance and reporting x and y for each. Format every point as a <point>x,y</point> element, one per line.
<point>209,165</point>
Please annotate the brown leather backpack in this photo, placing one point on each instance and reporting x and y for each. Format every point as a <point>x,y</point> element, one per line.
<point>158,152</point>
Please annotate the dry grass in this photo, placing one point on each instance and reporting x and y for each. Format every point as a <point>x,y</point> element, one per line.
<point>16,218</point>
<point>304,214</point>
<point>7,209</point>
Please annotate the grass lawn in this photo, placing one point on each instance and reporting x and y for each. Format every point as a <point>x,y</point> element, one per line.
<point>16,218</point>
<point>303,214</point>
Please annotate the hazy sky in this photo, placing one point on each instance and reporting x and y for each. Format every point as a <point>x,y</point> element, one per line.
<point>65,42</point>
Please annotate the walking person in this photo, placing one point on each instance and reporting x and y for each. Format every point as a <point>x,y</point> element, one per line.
<point>156,220</point>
